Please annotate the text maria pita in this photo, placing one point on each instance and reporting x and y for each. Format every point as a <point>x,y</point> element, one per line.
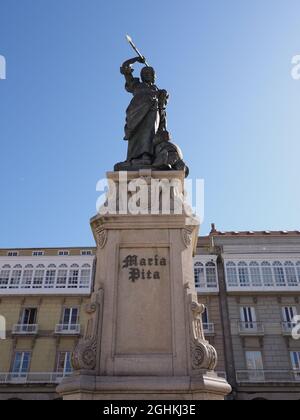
<point>143,268</point>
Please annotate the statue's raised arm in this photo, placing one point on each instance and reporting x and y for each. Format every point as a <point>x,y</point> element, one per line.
<point>127,70</point>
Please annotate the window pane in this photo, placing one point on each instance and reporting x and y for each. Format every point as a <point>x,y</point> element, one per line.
<point>27,279</point>
<point>73,279</point>
<point>50,279</point>
<point>67,316</point>
<point>267,274</point>
<point>74,316</point>
<point>61,281</point>
<point>243,275</point>
<point>231,274</point>
<point>211,276</point>
<point>21,362</point>
<point>291,274</point>
<point>255,275</point>
<point>85,278</point>
<point>15,279</point>
<point>4,278</point>
<point>279,274</point>
<point>199,275</point>
<point>38,279</point>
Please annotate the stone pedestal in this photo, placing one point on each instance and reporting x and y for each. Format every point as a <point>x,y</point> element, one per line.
<point>144,339</point>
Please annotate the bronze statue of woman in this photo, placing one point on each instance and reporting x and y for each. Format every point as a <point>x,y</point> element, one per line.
<point>143,113</point>
<point>149,144</point>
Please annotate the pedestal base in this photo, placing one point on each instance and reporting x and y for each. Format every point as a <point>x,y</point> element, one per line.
<point>144,337</point>
<point>204,387</point>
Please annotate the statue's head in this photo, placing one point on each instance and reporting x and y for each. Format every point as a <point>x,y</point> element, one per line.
<point>148,74</point>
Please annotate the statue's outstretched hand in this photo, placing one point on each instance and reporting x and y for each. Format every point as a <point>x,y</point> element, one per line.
<point>141,60</point>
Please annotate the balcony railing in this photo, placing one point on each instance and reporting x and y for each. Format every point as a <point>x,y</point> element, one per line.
<point>268,376</point>
<point>32,378</point>
<point>287,327</point>
<point>251,328</point>
<point>67,329</point>
<point>209,328</point>
<point>24,329</point>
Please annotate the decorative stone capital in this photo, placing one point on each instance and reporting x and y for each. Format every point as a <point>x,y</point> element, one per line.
<point>187,237</point>
<point>100,235</point>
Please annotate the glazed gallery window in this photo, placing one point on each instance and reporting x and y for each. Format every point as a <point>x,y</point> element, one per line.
<point>62,276</point>
<point>243,274</point>
<point>211,275</point>
<point>73,276</point>
<point>27,277</point>
<point>15,277</point>
<point>263,274</point>
<point>205,275</point>
<point>85,276</point>
<point>64,362</point>
<point>39,277</point>
<point>291,275</point>
<point>255,274</point>
<point>267,274</point>
<point>50,277</point>
<point>199,274</point>
<point>279,274</point>
<point>4,276</point>
<point>232,274</point>
<point>21,364</point>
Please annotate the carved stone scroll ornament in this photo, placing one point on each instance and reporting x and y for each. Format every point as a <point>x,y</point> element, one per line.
<point>203,355</point>
<point>84,355</point>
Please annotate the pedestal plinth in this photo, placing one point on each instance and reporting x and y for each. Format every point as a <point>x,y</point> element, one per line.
<point>144,338</point>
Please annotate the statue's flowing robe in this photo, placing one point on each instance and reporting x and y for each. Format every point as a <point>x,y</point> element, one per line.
<point>142,118</point>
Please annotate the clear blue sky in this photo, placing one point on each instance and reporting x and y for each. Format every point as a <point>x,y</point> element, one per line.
<point>234,108</point>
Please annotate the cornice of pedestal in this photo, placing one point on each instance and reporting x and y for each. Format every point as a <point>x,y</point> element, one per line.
<point>101,224</point>
<point>147,173</point>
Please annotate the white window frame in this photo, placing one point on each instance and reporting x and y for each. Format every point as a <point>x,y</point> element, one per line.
<point>231,274</point>
<point>69,324</point>
<point>248,317</point>
<point>21,372</point>
<point>255,274</point>
<point>255,365</point>
<point>63,253</point>
<point>38,253</point>
<point>73,280</point>
<point>86,252</point>
<point>67,362</point>
<point>39,277</point>
<point>5,273</point>
<point>15,277</point>
<point>13,253</point>
<point>85,276</point>
<point>295,361</point>
<point>50,277</point>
